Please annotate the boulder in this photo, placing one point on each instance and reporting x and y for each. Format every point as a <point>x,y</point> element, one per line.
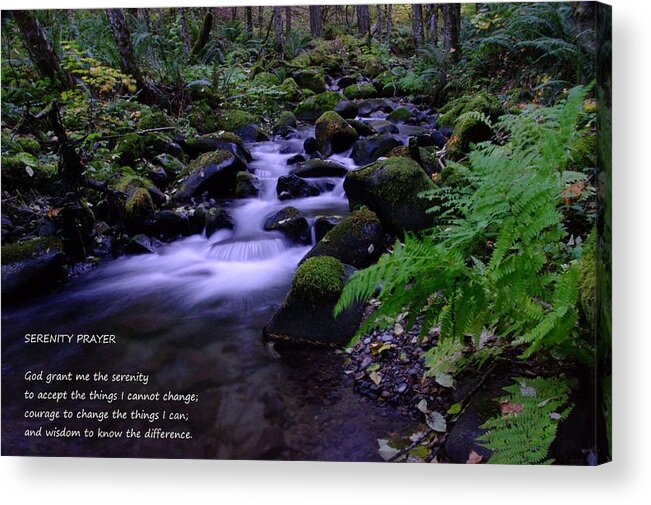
<point>384,126</point>
<point>306,314</point>
<point>139,207</point>
<point>358,240</point>
<point>139,244</point>
<point>314,106</point>
<point>362,90</point>
<point>312,78</point>
<point>226,141</point>
<point>292,186</point>
<point>31,268</point>
<point>309,146</point>
<point>217,219</point>
<point>214,173</point>
<point>346,109</point>
<point>172,166</point>
<point>370,149</point>
<point>285,125</point>
<point>291,89</point>
<point>462,439</point>
<point>266,79</point>
<point>368,107</point>
<point>362,127</point>
<point>297,158</point>
<point>323,224</point>
<point>246,185</point>
<point>319,168</point>
<point>333,133</point>
<point>390,188</point>
<point>399,115</point>
<point>158,176</point>
<point>290,222</point>
<point>168,225</point>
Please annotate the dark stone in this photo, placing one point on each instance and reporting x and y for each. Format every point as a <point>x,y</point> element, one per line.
<point>319,168</point>
<point>286,132</point>
<point>290,222</point>
<point>346,109</point>
<point>462,439</point>
<point>158,176</point>
<point>347,80</point>
<point>358,240</point>
<point>297,158</point>
<point>252,133</point>
<point>246,185</point>
<point>217,219</point>
<point>323,224</point>
<point>214,141</point>
<point>309,146</point>
<point>214,173</point>
<point>77,225</point>
<point>33,276</point>
<point>362,127</point>
<point>371,105</point>
<point>370,149</point>
<point>384,126</point>
<point>292,186</point>
<point>139,244</point>
<point>333,133</point>
<point>168,225</point>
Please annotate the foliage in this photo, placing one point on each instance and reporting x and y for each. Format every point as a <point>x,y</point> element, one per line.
<point>488,263</point>
<point>526,427</point>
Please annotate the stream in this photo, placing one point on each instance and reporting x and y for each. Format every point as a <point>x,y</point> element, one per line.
<point>191,317</point>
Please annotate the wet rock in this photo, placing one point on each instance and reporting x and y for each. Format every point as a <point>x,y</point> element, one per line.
<point>362,90</point>
<point>370,149</point>
<point>399,115</point>
<point>358,240</point>
<point>313,107</point>
<point>77,226</point>
<point>390,188</point>
<point>217,219</point>
<point>347,80</point>
<point>139,244</point>
<point>297,158</point>
<point>346,109</point>
<point>368,107</point>
<point>286,123</point>
<point>214,173</point>
<point>323,224</point>
<point>227,141</point>
<point>319,168</point>
<point>158,176</point>
<point>312,78</point>
<point>462,439</point>
<point>384,126</point>
<point>306,314</point>
<point>292,186</point>
<point>290,222</point>
<point>333,133</point>
<point>170,164</point>
<point>246,185</point>
<point>362,127</point>
<point>309,146</point>
<point>168,225</point>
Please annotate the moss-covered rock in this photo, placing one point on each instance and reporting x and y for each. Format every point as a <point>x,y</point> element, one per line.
<point>362,127</point>
<point>202,118</point>
<point>358,240</point>
<point>213,173</point>
<point>26,249</point>
<point>347,109</point>
<point>333,133</point>
<point>362,90</point>
<point>390,188</point>
<point>172,166</point>
<point>266,79</point>
<point>226,141</point>
<point>156,143</point>
<point>306,315</point>
<point>400,115</point>
<point>139,206</point>
<point>292,186</point>
<point>233,120</point>
<point>291,90</point>
<point>399,152</point>
<point>286,118</point>
<point>246,185</point>
<point>312,78</point>
<point>319,168</point>
<point>154,118</point>
<point>131,148</point>
<point>371,148</point>
<point>20,144</point>
<point>290,222</point>
<point>313,107</point>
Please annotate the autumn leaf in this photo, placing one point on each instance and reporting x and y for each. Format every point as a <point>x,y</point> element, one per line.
<point>474,458</point>
<point>375,377</point>
<point>511,408</point>
<point>573,192</point>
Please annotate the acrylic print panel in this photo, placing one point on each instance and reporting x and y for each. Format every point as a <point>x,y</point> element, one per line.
<point>340,233</point>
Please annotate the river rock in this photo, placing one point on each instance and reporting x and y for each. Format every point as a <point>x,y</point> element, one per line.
<point>323,224</point>
<point>227,141</point>
<point>399,115</point>
<point>368,107</point>
<point>333,133</point>
<point>168,225</point>
<point>306,317</point>
<point>362,127</point>
<point>214,173</point>
<point>384,126</point>
<point>311,108</point>
<point>309,146</point>
<point>292,186</point>
<point>462,438</point>
<point>312,78</point>
<point>361,90</point>
<point>246,185</point>
<point>319,168</point>
<point>289,221</point>
<point>172,166</point>
<point>358,240</point>
<point>346,109</point>
<point>32,267</point>
<point>214,219</point>
<point>370,149</point>
<point>390,188</point>
<point>139,244</point>
<point>297,158</point>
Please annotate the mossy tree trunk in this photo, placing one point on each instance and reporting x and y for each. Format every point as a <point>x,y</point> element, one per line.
<point>432,15</point>
<point>363,19</point>
<point>288,21</point>
<point>389,24</point>
<point>278,30</point>
<point>451,30</point>
<point>41,50</point>
<point>202,40</point>
<point>185,31</point>
<point>417,23</point>
<point>249,20</point>
<point>316,21</point>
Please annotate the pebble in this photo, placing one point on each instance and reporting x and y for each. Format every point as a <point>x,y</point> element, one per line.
<point>402,388</point>
<point>387,338</point>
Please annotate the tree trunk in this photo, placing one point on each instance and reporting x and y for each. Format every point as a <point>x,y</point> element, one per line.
<point>451,29</point>
<point>316,21</point>
<point>202,40</point>
<point>288,21</point>
<point>377,29</point>
<point>417,23</point>
<point>128,62</point>
<point>389,24</point>
<point>363,19</point>
<point>260,18</point>
<point>41,50</point>
<point>185,32</point>
<point>278,29</point>
<point>233,13</point>
<point>432,23</point>
<point>249,20</point>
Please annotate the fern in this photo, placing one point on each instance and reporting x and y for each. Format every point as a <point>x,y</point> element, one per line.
<point>526,428</point>
<point>487,262</point>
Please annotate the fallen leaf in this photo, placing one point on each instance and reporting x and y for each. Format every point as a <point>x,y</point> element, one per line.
<point>398,329</point>
<point>422,406</point>
<point>436,422</point>
<point>527,390</point>
<point>555,416</point>
<point>455,408</point>
<point>379,347</point>
<point>444,380</point>
<point>386,451</point>
<point>375,377</point>
<point>373,367</point>
<point>511,408</point>
<point>474,458</point>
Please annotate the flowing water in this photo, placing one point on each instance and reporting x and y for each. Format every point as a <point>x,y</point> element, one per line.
<point>191,316</point>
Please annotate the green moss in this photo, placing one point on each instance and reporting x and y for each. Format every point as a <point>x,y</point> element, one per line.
<point>19,251</point>
<point>139,205</point>
<point>129,182</point>
<point>583,151</point>
<point>266,79</point>
<point>231,120</point>
<point>311,108</point>
<point>353,224</point>
<point>400,114</point>
<point>363,90</point>
<point>481,102</point>
<point>450,176</point>
<point>285,119</point>
<point>19,144</point>
<point>130,148</point>
<point>202,118</point>
<point>588,279</point>
<point>317,279</point>
<point>169,163</point>
<point>154,118</point>
<point>213,158</point>
<point>311,78</point>
<point>291,89</point>
<point>331,127</point>
<point>399,152</point>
